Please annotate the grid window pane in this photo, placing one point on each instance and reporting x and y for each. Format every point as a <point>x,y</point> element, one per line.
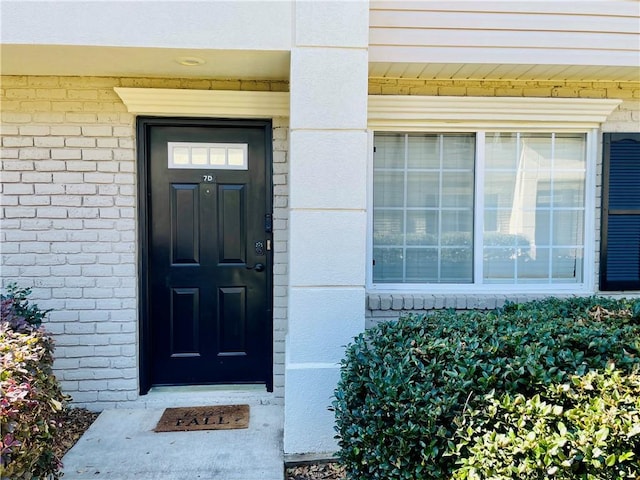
<point>501,150</point>
<point>457,189</point>
<point>389,150</point>
<point>456,265</point>
<point>535,265</point>
<point>423,208</point>
<point>535,151</point>
<point>388,227</point>
<point>422,265</point>
<point>533,192</point>
<point>388,265</point>
<point>536,206</point>
<point>458,151</point>
<point>569,192</point>
<point>423,151</point>
<point>422,227</point>
<point>388,189</point>
<point>422,189</point>
<point>570,151</point>
<point>568,228</point>
<point>499,263</point>
<point>456,227</point>
<point>499,189</point>
<point>566,262</point>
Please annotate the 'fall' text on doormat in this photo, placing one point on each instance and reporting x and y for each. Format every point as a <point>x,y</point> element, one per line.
<point>219,417</point>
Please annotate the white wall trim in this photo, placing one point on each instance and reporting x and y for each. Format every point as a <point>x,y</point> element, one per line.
<point>205,103</point>
<point>400,112</point>
<point>388,112</point>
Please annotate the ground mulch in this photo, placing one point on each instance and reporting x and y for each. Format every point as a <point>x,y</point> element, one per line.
<point>75,421</point>
<point>316,471</point>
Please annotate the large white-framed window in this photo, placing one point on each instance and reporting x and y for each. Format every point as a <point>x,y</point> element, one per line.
<point>482,210</point>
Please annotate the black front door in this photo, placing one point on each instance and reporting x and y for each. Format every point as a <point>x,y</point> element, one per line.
<point>207,267</point>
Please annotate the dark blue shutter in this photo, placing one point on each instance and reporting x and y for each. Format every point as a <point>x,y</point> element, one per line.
<point>620,248</point>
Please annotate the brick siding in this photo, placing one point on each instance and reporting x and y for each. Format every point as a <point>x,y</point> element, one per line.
<point>69,222</point>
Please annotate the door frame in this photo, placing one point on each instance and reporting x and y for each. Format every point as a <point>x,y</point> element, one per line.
<point>143,125</point>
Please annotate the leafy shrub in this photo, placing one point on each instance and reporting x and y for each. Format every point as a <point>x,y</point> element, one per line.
<point>31,396</point>
<point>587,428</point>
<point>406,387</point>
<point>17,311</point>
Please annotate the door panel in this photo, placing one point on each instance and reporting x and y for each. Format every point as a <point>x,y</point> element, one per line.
<point>231,230</point>
<point>232,318</point>
<point>185,225</point>
<point>184,321</point>
<point>208,312</point>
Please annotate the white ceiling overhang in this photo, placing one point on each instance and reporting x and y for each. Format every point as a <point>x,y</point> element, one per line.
<point>105,61</point>
<point>109,61</point>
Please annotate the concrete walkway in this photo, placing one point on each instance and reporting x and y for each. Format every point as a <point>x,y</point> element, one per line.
<point>122,445</point>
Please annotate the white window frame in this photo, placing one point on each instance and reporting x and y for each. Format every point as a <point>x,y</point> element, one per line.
<point>409,114</point>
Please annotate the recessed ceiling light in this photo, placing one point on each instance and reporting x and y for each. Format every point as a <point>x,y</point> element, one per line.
<point>190,61</point>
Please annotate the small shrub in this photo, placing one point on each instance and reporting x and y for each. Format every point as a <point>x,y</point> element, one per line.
<point>31,396</point>
<point>406,386</point>
<point>17,311</point>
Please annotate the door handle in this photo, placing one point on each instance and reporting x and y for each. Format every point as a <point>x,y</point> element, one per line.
<point>258,267</point>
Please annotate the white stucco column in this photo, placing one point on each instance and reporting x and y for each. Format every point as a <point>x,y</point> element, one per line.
<point>327,229</point>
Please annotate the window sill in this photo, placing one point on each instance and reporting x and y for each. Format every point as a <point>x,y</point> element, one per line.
<point>396,301</point>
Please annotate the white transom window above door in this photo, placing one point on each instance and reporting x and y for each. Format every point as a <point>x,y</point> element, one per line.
<point>209,156</point>
<point>482,195</point>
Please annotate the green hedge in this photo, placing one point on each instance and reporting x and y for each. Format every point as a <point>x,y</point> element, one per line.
<point>416,396</point>
<point>586,428</point>
<point>31,396</point>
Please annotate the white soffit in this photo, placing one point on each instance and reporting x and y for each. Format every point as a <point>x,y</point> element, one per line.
<point>404,111</point>
<point>204,103</point>
<point>100,61</point>
<point>503,71</point>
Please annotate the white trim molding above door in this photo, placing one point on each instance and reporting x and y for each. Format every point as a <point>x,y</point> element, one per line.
<point>385,112</point>
<point>204,103</point>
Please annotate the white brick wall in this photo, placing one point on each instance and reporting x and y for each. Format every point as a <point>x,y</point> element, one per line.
<point>69,223</point>
<point>280,250</point>
<point>66,210</point>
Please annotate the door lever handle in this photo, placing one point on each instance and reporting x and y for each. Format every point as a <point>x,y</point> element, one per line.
<point>258,267</point>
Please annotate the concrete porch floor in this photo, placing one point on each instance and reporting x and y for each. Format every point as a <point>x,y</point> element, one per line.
<point>122,445</point>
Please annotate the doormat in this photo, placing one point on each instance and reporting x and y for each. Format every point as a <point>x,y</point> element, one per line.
<point>220,417</point>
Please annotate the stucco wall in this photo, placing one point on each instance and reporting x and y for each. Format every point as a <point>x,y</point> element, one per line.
<point>69,223</point>
<point>626,118</point>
